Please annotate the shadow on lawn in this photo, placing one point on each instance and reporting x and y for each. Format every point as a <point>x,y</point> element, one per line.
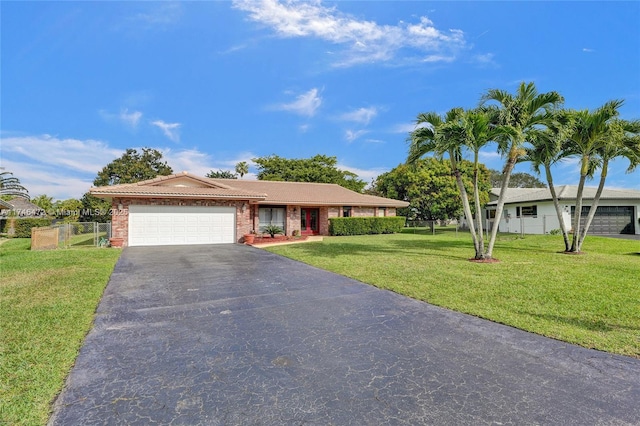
<point>591,325</point>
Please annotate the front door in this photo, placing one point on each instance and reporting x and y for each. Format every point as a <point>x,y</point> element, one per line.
<point>309,221</point>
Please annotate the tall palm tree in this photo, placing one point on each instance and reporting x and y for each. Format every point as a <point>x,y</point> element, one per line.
<point>588,140</point>
<point>621,138</point>
<point>522,112</point>
<point>432,136</point>
<point>242,168</point>
<point>10,185</point>
<point>546,149</point>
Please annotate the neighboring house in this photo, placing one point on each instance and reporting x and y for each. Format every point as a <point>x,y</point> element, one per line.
<point>188,209</point>
<point>20,207</point>
<point>531,210</point>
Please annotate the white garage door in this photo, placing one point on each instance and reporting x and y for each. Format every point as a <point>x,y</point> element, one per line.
<point>175,225</point>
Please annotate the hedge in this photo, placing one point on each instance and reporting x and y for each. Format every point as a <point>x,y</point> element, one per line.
<point>365,225</point>
<point>22,227</point>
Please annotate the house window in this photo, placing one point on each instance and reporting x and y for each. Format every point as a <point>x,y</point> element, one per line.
<point>346,211</point>
<point>382,211</point>
<point>491,214</point>
<point>271,216</point>
<point>527,211</point>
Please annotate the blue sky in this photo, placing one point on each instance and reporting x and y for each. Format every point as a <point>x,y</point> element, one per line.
<point>213,83</point>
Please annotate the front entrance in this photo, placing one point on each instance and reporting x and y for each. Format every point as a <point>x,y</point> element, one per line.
<point>309,221</point>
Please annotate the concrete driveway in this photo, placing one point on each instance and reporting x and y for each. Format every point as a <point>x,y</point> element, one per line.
<point>233,335</point>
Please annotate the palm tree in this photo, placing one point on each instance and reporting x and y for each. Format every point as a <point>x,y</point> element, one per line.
<point>588,140</point>
<point>522,112</point>
<point>435,134</point>
<point>545,150</point>
<point>10,186</point>
<point>617,138</point>
<point>242,168</point>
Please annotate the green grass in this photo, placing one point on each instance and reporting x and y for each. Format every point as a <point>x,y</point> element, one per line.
<point>47,300</point>
<point>592,299</point>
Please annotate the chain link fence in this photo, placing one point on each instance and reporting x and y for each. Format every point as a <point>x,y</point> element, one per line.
<point>83,234</point>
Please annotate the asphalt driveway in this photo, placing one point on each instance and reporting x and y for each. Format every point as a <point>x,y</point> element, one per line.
<point>233,335</point>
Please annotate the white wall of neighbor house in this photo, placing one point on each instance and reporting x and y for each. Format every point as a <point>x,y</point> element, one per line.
<point>546,218</point>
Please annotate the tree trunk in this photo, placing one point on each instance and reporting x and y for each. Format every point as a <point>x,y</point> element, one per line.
<point>594,205</point>
<point>465,205</point>
<point>476,197</point>
<point>576,219</point>
<point>506,175</point>
<point>556,204</point>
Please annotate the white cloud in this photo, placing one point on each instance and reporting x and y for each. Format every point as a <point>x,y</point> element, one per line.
<point>360,115</point>
<point>132,118</point>
<point>352,135</point>
<point>156,15</point>
<point>305,104</point>
<point>365,174</point>
<point>485,59</point>
<point>587,50</point>
<point>406,127</point>
<point>362,41</point>
<point>170,130</point>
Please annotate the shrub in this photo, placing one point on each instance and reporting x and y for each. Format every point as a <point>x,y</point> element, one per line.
<point>555,232</point>
<point>22,227</point>
<point>273,230</point>
<point>365,225</point>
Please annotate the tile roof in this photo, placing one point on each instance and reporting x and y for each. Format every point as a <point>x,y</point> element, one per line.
<point>186,185</point>
<point>564,192</point>
<point>157,187</point>
<point>308,193</point>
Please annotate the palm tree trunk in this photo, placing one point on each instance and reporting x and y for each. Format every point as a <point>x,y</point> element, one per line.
<point>506,175</point>
<point>556,204</point>
<point>578,215</point>
<point>476,197</point>
<point>465,204</point>
<point>594,205</point>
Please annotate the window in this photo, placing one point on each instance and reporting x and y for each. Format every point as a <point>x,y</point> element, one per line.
<point>271,216</point>
<point>382,211</point>
<point>491,214</point>
<point>527,211</point>
<point>346,211</point>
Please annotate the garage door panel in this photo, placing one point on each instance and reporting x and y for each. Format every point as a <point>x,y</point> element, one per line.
<point>176,225</point>
<point>608,220</point>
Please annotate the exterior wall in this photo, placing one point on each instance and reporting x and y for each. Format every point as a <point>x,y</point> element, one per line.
<point>120,217</point>
<point>324,220</point>
<point>547,218</point>
<point>391,211</point>
<point>293,220</point>
<point>363,211</point>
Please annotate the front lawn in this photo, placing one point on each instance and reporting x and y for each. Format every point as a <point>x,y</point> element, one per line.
<point>47,303</point>
<point>592,299</point>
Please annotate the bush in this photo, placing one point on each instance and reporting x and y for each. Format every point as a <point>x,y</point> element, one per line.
<point>365,225</point>
<point>273,230</point>
<point>21,227</point>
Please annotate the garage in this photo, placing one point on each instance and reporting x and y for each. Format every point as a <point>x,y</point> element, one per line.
<point>608,220</point>
<point>177,225</point>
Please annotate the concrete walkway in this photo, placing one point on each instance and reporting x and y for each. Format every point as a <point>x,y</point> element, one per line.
<point>234,335</point>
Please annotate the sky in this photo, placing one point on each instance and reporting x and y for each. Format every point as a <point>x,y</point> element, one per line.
<point>212,83</point>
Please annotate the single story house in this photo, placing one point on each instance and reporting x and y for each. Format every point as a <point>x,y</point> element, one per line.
<point>531,210</point>
<point>188,209</point>
<point>20,207</point>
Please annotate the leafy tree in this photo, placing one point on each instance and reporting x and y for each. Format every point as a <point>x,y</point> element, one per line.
<point>10,186</point>
<point>44,202</point>
<point>222,174</point>
<point>69,209</point>
<point>597,137</point>
<point>459,131</point>
<point>428,137</point>
<point>242,168</point>
<point>319,168</point>
<point>430,188</point>
<point>131,167</point>
<point>517,180</point>
<point>522,113</point>
<point>545,150</point>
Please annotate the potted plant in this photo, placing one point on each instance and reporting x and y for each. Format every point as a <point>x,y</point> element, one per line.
<point>250,237</point>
